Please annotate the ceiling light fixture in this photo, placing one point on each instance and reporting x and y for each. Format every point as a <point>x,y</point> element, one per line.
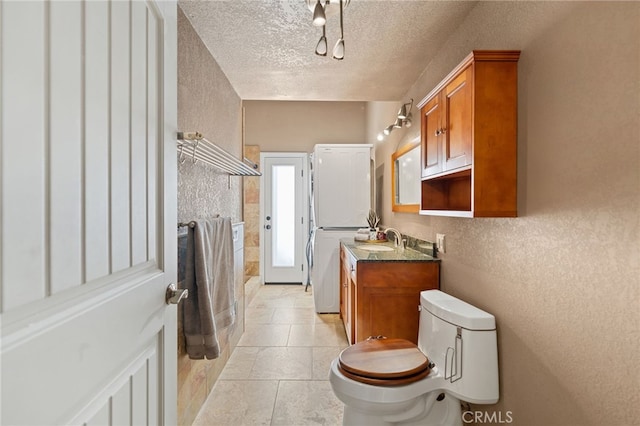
<point>321,47</point>
<point>321,10</point>
<point>319,18</point>
<point>338,49</point>
<point>403,119</point>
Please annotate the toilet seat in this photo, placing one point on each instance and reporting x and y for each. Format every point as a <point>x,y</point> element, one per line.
<point>384,362</point>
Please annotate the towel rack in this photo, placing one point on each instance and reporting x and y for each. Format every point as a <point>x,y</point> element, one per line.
<point>194,145</point>
<point>192,223</point>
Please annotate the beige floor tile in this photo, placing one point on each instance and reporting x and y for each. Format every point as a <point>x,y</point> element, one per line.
<point>265,335</point>
<point>322,358</point>
<point>239,403</point>
<point>293,316</point>
<point>260,315</point>
<point>274,301</point>
<point>278,373</point>
<point>317,335</point>
<point>283,363</point>
<point>304,302</point>
<point>306,403</point>
<point>329,318</point>
<point>240,363</point>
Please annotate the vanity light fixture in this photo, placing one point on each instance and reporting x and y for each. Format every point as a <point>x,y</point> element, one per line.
<point>321,10</point>
<point>403,119</point>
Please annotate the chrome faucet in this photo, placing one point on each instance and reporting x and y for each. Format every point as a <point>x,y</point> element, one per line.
<point>396,234</point>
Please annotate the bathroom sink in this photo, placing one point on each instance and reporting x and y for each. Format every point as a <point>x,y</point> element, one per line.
<point>371,247</point>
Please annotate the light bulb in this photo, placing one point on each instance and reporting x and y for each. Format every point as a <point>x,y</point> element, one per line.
<point>319,18</point>
<point>338,50</point>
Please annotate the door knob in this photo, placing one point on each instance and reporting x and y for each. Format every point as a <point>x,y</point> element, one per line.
<point>174,295</point>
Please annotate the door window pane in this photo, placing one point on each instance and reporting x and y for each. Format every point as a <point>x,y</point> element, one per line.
<point>283,204</point>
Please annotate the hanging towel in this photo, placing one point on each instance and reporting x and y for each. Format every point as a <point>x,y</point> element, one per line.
<point>210,306</point>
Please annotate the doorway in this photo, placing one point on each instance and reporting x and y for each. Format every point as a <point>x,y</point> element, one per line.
<point>284,217</point>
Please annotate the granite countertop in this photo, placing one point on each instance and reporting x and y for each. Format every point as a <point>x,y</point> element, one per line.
<point>396,255</point>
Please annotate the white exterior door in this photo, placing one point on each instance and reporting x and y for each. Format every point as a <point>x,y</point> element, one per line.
<point>88,212</point>
<point>284,217</point>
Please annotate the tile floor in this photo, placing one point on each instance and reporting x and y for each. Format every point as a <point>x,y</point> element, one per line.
<point>278,373</point>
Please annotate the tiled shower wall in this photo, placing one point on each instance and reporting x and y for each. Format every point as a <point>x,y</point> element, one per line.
<point>206,103</point>
<point>252,217</point>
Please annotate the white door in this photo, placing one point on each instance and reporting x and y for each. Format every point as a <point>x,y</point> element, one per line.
<point>88,212</point>
<point>284,217</point>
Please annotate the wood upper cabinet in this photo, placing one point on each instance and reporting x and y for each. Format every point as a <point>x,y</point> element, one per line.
<point>431,136</point>
<point>382,297</point>
<point>457,129</point>
<point>469,139</point>
<point>446,127</point>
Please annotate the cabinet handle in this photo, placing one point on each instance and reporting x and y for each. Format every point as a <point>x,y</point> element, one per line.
<point>438,132</point>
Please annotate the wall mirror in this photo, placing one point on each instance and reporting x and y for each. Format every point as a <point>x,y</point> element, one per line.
<point>405,178</point>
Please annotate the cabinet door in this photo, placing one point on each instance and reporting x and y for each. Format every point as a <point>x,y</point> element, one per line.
<point>388,296</point>
<point>344,282</point>
<point>346,294</point>
<point>431,121</point>
<point>391,312</point>
<point>457,134</point>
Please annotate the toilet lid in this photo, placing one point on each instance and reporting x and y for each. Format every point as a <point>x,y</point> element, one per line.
<point>388,362</point>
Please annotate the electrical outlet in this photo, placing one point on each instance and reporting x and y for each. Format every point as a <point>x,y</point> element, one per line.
<point>440,243</point>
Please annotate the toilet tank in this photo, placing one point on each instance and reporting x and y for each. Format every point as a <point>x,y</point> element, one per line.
<point>461,341</point>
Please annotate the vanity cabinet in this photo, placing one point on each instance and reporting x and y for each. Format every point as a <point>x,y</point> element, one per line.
<point>381,297</point>
<point>469,139</point>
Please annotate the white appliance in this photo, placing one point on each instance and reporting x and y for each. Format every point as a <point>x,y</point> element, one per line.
<point>341,188</point>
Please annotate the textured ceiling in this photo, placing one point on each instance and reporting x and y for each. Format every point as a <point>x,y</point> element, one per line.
<point>266,47</point>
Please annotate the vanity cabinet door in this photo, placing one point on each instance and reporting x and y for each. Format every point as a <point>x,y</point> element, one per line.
<point>347,285</point>
<point>387,298</point>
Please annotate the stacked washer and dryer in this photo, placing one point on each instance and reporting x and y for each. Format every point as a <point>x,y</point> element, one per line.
<point>340,200</point>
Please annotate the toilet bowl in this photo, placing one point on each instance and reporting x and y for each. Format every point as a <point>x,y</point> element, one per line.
<point>392,381</point>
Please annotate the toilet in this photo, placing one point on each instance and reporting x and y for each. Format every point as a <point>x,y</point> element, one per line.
<point>388,381</point>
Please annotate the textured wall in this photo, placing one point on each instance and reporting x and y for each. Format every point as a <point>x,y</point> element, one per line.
<point>563,278</point>
<point>289,126</point>
<point>206,103</point>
